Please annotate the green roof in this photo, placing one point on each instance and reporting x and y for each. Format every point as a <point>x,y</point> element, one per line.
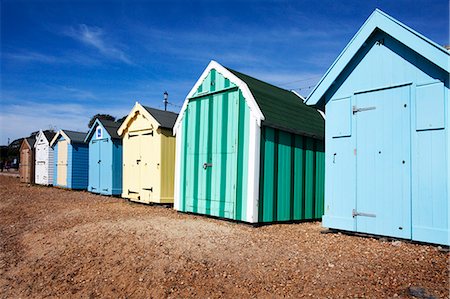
<point>283,109</point>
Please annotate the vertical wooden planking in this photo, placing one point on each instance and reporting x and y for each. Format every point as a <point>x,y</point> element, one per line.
<point>283,181</point>
<point>309,178</point>
<point>299,177</point>
<point>320,179</point>
<point>268,212</point>
<point>292,177</point>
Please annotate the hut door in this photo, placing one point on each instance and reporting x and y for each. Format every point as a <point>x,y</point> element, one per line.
<point>41,163</point>
<point>104,163</point>
<point>199,159</point>
<point>62,163</point>
<point>147,165</point>
<point>225,124</point>
<point>95,165</point>
<point>25,166</point>
<point>383,198</point>
<point>133,158</point>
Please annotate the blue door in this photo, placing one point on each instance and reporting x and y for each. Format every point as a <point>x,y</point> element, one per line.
<point>383,196</point>
<point>105,166</point>
<point>94,168</point>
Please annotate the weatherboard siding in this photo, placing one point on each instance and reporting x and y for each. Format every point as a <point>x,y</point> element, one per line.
<point>78,158</point>
<point>117,167</point>
<point>167,165</point>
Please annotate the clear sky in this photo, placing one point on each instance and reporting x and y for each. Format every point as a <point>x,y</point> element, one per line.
<point>64,61</point>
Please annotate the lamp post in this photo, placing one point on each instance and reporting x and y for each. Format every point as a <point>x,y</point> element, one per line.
<point>166,96</point>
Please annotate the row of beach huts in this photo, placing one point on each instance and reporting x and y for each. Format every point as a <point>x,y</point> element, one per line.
<point>246,150</point>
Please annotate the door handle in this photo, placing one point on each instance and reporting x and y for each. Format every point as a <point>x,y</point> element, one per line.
<point>206,165</point>
<point>99,161</point>
<point>137,161</point>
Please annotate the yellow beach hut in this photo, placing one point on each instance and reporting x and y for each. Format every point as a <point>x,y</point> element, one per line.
<point>148,155</point>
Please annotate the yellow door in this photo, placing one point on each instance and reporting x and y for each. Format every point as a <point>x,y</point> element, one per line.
<point>148,167</point>
<point>132,164</point>
<point>62,163</point>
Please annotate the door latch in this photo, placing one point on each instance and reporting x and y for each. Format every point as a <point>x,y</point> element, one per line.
<point>206,165</point>
<point>355,213</point>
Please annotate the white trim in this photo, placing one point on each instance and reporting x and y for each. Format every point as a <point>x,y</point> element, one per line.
<point>176,195</point>
<point>299,95</point>
<point>253,170</point>
<point>38,137</point>
<point>60,132</point>
<point>124,124</point>
<point>321,113</point>
<point>249,98</point>
<point>136,108</point>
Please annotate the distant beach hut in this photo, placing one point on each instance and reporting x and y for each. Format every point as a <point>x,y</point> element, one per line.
<point>71,156</point>
<point>44,163</point>
<point>105,158</point>
<point>26,166</point>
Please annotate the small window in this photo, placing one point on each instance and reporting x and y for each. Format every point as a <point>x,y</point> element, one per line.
<point>99,132</point>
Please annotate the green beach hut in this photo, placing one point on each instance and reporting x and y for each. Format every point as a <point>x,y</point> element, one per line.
<point>247,150</point>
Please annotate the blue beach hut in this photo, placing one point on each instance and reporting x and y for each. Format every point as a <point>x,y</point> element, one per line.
<point>387,137</point>
<point>105,158</point>
<point>70,160</point>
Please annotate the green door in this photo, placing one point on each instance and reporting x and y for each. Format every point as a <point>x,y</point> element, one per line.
<point>211,157</point>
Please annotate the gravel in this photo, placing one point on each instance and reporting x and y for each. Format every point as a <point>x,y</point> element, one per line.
<point>61,243</point>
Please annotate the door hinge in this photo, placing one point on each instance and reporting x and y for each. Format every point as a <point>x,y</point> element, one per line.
<point>356,110</point>
<point>355,213</point>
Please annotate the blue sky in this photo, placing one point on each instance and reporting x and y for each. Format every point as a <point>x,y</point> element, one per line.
<point>64,61</point>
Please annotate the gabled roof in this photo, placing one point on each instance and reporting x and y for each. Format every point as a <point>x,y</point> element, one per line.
<point>48,135</point>
<point>379,20</point>
<point>165,119</point>
<point>270,105</point>
<point>30,141</point>
<point>71,136</point>
<point>284,109</point>
<point>110,127</point>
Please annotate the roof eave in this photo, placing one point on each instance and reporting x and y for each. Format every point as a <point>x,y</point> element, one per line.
<point>254,108</point>
<point>382,21</point>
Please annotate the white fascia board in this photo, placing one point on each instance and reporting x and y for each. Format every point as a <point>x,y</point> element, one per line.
<point>60,133</point>
<point>176,199</point>
<point>250,99</point>
<point>299,95</point>
<point>39,136</point>
<point>124,124</point>
<point>253,170</point>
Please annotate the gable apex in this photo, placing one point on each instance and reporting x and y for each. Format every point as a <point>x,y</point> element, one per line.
<point>379,20</point>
